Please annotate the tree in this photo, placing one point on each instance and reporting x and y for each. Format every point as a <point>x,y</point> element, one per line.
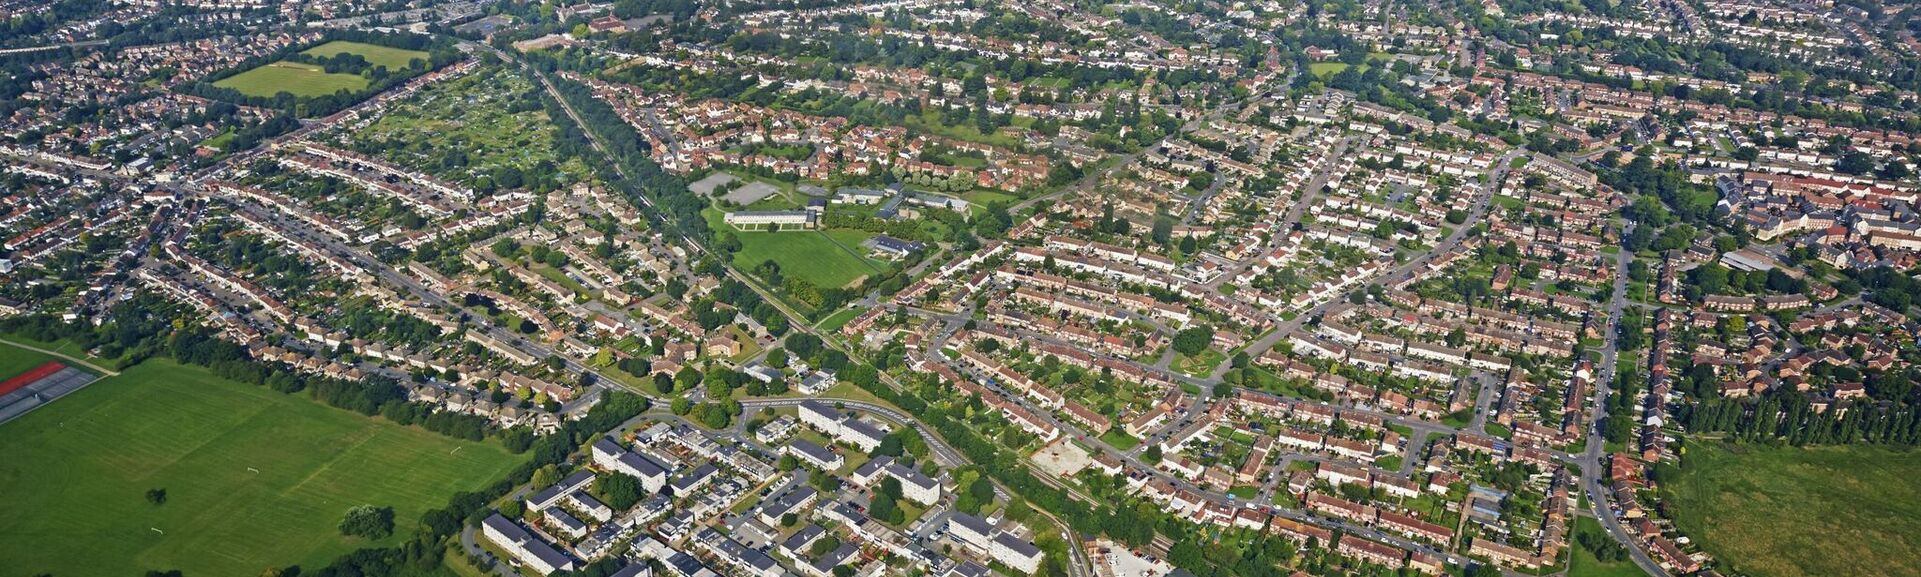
<point>1194,340</point>
<point>619,490</point>
<point>157,496</point>
<point>546,475</point>
<point>885,508</point>
<point>368,521</point>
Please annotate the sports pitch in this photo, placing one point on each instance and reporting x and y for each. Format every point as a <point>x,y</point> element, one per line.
<point>254,478</point>
<point>829,259</point>
<point>297,78</point>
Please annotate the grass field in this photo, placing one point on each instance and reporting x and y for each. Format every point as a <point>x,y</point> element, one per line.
<point>75,473</point>
<point>14,360</point>
<point>840,319</point>
<point>1783,512</point>
<point>1584,564</point>
<point>1120,439</point>
<point>298,78</point>
<point>826,258</point>
<point>377,55</point>
<point>1326,69</point>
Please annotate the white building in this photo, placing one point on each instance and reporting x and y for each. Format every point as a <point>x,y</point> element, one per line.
<point>530,550</point>
<point>842,427</point>
<point>611,456</point>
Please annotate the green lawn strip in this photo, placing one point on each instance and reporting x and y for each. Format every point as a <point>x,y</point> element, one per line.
<point>254,478</point>
<point>840,319</point>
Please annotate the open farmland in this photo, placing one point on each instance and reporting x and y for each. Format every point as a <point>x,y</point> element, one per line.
<point>254,478</point>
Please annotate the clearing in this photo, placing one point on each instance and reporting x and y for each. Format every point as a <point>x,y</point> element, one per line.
<point>254,478</point>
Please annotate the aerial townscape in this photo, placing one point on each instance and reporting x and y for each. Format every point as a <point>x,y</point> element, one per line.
<point>960,288</point>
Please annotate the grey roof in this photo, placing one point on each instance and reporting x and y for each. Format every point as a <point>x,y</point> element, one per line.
<point>819,407</point>
<point>812,450</point>
<point>682,563</point>
<point>695,478</point>
<point>863,428</point>
<point>912,477</point>
<point>736,552</point>
<point>1017,545</point>
<point>803,538</point>
<point>972,523</point>
<point>836,558</point>
<point>895,244</point>
<point>589,502</point>
<point>608,446</point>
<point>873,467</point>
<point>647,467</point>
<point>566,519</point>
<point>554,492</point>
<point>631,570</point>
<point>534,545</point>
<point>968,569</point>
<point>788,502</point>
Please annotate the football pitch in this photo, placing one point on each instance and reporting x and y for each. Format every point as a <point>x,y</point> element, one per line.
<point>254,479</point>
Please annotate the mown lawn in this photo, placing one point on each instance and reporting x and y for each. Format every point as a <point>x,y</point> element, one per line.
<point>254,478</point>
<point>1782,512</point>
<point>828,259</point>
<point>377,55</point>
<point>297,78</point>
<point>15,360</point>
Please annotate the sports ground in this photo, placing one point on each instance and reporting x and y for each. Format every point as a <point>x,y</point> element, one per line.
<point>828,258</point>
<point>297,78</point>
<point>254,478</point>
<point>377,55</point>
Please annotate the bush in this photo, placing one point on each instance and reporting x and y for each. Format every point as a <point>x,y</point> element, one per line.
<point>368,521</point>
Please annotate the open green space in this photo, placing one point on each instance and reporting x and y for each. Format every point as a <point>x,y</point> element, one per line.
<point>297,78</point>
<point>835,321</point>
<point>377,55</point>
<point>1584,564</point>
<point>1120,439</point>
<point>828,259</point>
<point>1326,69</point>
<point>254,479</point>
<point>1200,364</point>
<point>1783,511</point>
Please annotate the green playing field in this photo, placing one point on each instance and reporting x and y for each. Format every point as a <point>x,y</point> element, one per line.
<point>254,478</point>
